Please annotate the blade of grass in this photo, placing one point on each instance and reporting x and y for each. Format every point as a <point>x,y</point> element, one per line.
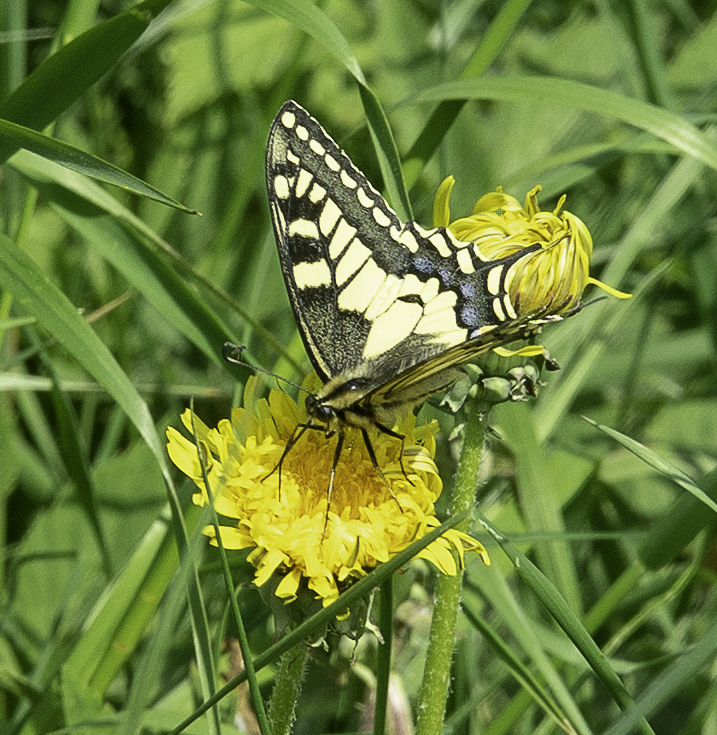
<point>37,295</point>
<point>538,499</point>
<point>678,527</point>
<point>74,455</point>
<point>157,281</point>
<point>383,663</point>
<point>646,37</point>
<point>312,20</point>
<point>387,153</point>
<point>46,176</point>
<point>441,119</point>
<point>662,688</point>
<point>566,93</point>
<point>240,631</point>
<point>73,158</point>
<point>657,462</point>
<point>523,675</point>
<point>34,292</point>
<point>67,74</point>
<point>556,605</point>
<point>120,616</point>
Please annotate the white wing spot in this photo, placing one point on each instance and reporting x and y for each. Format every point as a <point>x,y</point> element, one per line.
<point>439,319</point>
<point>302,183</point>
<point>385,297</point>
<point>354,257</point>
<point>359,293</point>
<point>465,262</point>
<point>316,147</point>
<point>445,300</point>
<point>443,328</point>
<point>317,193</point>
<point>304,228</point>
<point>347,181</point>
<point>302,133</point>
<point>364,199</point>
<point>439,243</point>
<point>343,235</point>
<point>406,238</point>
<point>430,290</point>
<point>332,163</point>
<point>328,217</point>
<point>498,309</point>
<point>509,307</point>
<point>288,119</point>
<point>312,275</point>
<point>291,158</point>
<point>392,327</point>
<point>381,217</point>
<point>281,187</point>
<point>411,285</point>
<point>494,276</point>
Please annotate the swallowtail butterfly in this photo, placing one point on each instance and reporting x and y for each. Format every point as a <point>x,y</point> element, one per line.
<point>388,311</point>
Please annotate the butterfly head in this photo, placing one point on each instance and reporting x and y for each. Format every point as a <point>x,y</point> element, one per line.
<point>340,403</point>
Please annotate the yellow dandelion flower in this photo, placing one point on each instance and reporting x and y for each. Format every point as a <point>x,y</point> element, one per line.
<point>283,516</point>
<point>549,280</point>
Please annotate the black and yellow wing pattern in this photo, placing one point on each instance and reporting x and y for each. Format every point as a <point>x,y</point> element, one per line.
<point>388,310</point>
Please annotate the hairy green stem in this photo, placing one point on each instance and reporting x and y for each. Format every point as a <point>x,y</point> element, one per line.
<point>383,665</point>
<point>437,672</point>
<point>289,680</point>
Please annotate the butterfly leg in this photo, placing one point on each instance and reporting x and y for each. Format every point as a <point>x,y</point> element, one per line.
<point>374,461</point>
<point>390,432</point>
<point>296,434</point>
<point>332,476</point>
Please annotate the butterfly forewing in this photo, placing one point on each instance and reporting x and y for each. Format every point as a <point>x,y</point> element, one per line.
<point>375,297</point>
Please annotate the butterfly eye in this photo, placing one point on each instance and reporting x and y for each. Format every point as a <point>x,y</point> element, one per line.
<point>323,412</point>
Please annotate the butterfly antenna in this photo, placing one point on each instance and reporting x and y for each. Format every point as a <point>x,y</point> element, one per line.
<point>231,352</point>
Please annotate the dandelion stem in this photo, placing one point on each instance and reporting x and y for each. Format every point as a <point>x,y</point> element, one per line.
<point>287,687</point>
<point>436,675</point>
<point>383,668</point>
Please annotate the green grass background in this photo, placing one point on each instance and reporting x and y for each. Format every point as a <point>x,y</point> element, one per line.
<point>115,303</point>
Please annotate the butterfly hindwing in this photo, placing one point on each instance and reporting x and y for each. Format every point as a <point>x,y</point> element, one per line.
<point>373,296</point>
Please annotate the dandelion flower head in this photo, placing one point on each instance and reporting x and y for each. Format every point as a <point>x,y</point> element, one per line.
<point>550,279</point>
<point>283,517</point>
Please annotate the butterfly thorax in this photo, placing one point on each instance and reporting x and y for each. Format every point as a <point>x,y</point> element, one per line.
<point>345,401</point>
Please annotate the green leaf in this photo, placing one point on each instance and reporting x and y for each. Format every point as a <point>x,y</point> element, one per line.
<point>661,690</point>
<point>67,74</point>
<point>566,618</point>
<point>82,162</point>
<point>566,93</point>
<point>441,119</point>
<point>35,293</point>
<point>312,20</point>
<point>659,463</point>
